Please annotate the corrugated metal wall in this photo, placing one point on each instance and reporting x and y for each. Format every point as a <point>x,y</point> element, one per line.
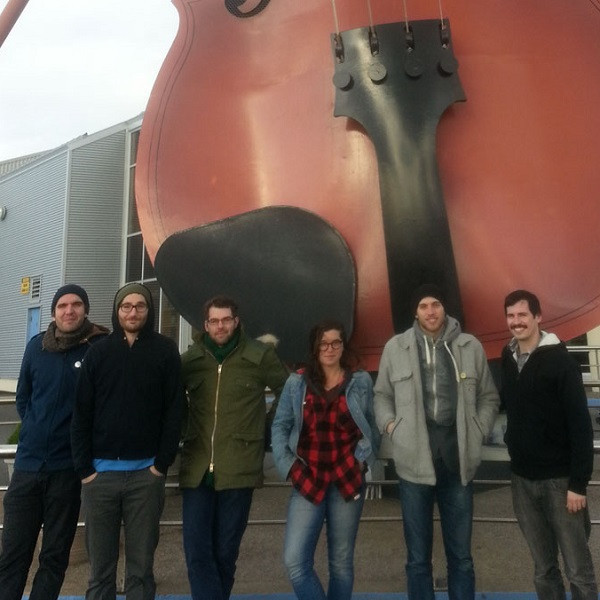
<point>31,244</point>
<point>93,243</point>
<point>7,166</point>
<point>84,180</point>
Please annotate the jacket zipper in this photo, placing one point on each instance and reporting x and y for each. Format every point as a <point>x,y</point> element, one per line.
<point>211,466</point>
<point>435,394</point>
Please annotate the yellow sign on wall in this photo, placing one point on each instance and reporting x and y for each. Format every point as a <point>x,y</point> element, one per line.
<point>25,285</point>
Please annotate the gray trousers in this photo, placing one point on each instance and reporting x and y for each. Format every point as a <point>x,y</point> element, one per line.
<point>541,509</point>
<point>136,499</point>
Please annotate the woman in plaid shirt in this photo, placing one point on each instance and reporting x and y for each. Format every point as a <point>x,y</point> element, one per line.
<point>324,437</point>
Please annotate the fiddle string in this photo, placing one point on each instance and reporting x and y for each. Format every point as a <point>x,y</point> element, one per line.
<point>370,14</point>
<point>335,19</point>
<point>405,16</point>
<point>441,15</point>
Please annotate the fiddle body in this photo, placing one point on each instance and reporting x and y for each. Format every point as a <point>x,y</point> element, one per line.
<point>242,118</point>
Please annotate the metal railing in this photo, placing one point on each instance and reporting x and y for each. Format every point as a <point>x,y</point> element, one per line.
<point>8,400</point>
<point>588,357</point>
<point>8,452</point>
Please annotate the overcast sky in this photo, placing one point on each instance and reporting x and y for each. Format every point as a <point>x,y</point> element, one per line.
<point>71,67</point>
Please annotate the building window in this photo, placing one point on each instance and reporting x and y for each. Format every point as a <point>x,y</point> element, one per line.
<point>137,262</point>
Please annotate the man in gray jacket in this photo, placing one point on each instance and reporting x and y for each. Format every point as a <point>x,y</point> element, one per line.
<point>436,400</point>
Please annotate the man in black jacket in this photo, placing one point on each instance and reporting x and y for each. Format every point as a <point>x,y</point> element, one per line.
<point>125,433</point>
<point>550,441</point>
<point>44,489</point>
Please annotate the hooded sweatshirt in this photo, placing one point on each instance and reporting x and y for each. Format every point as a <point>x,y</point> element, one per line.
<point>439,376</point>
<point>549,431</point>
<point>129,400</point>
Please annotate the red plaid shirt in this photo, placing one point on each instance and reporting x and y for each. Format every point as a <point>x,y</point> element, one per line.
<point>326,446</point>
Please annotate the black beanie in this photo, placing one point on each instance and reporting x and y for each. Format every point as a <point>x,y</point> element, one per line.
<point>70,288</point>
<point>424,291</point>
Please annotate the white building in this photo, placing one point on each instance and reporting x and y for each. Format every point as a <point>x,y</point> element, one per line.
<point>68,216</point>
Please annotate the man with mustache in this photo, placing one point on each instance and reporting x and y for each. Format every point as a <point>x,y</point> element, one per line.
<point>550,441</point>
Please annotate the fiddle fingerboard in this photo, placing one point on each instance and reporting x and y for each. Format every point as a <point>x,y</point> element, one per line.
<point>397,82</point>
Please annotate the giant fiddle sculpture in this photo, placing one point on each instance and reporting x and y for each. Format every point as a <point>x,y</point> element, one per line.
<point>314,158</point>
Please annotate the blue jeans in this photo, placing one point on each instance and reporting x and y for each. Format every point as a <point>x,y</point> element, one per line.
<point>48,498</point>
<point>455,503</point>
<point>540,508</point>
<point>135,498</point>
<point>304,524</point>
<point>213,525</point>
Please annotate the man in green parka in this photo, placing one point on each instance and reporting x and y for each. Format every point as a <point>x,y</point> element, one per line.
<point>225,374</point>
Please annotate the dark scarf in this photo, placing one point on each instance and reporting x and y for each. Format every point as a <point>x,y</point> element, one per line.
<point>57,341</point>
<point>221,352</point>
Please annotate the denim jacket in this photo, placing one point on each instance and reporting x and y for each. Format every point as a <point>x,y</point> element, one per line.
<point>287,424</point>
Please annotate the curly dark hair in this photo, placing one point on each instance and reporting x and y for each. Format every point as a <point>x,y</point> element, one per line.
<point>348,360</point>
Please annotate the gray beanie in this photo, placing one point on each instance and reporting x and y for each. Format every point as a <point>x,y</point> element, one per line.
<point>132,288</point>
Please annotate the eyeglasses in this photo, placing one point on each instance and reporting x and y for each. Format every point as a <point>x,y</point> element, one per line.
<point>335,345</point>
<point>224,321</point>
<point>140,307</point>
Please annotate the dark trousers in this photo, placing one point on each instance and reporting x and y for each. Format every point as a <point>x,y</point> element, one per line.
<point>213,525</point>
<point>136,499</point>
<point>32,499</point>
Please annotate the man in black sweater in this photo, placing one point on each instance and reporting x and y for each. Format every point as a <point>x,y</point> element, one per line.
<point>550,441</point>
<point>125,433</point>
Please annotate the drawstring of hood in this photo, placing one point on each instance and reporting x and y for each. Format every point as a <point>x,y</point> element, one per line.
<point>427,351</point>
<point>451,330</point>
<point>445,345</point>
<point>440,375</point>
<point>456,373</point>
